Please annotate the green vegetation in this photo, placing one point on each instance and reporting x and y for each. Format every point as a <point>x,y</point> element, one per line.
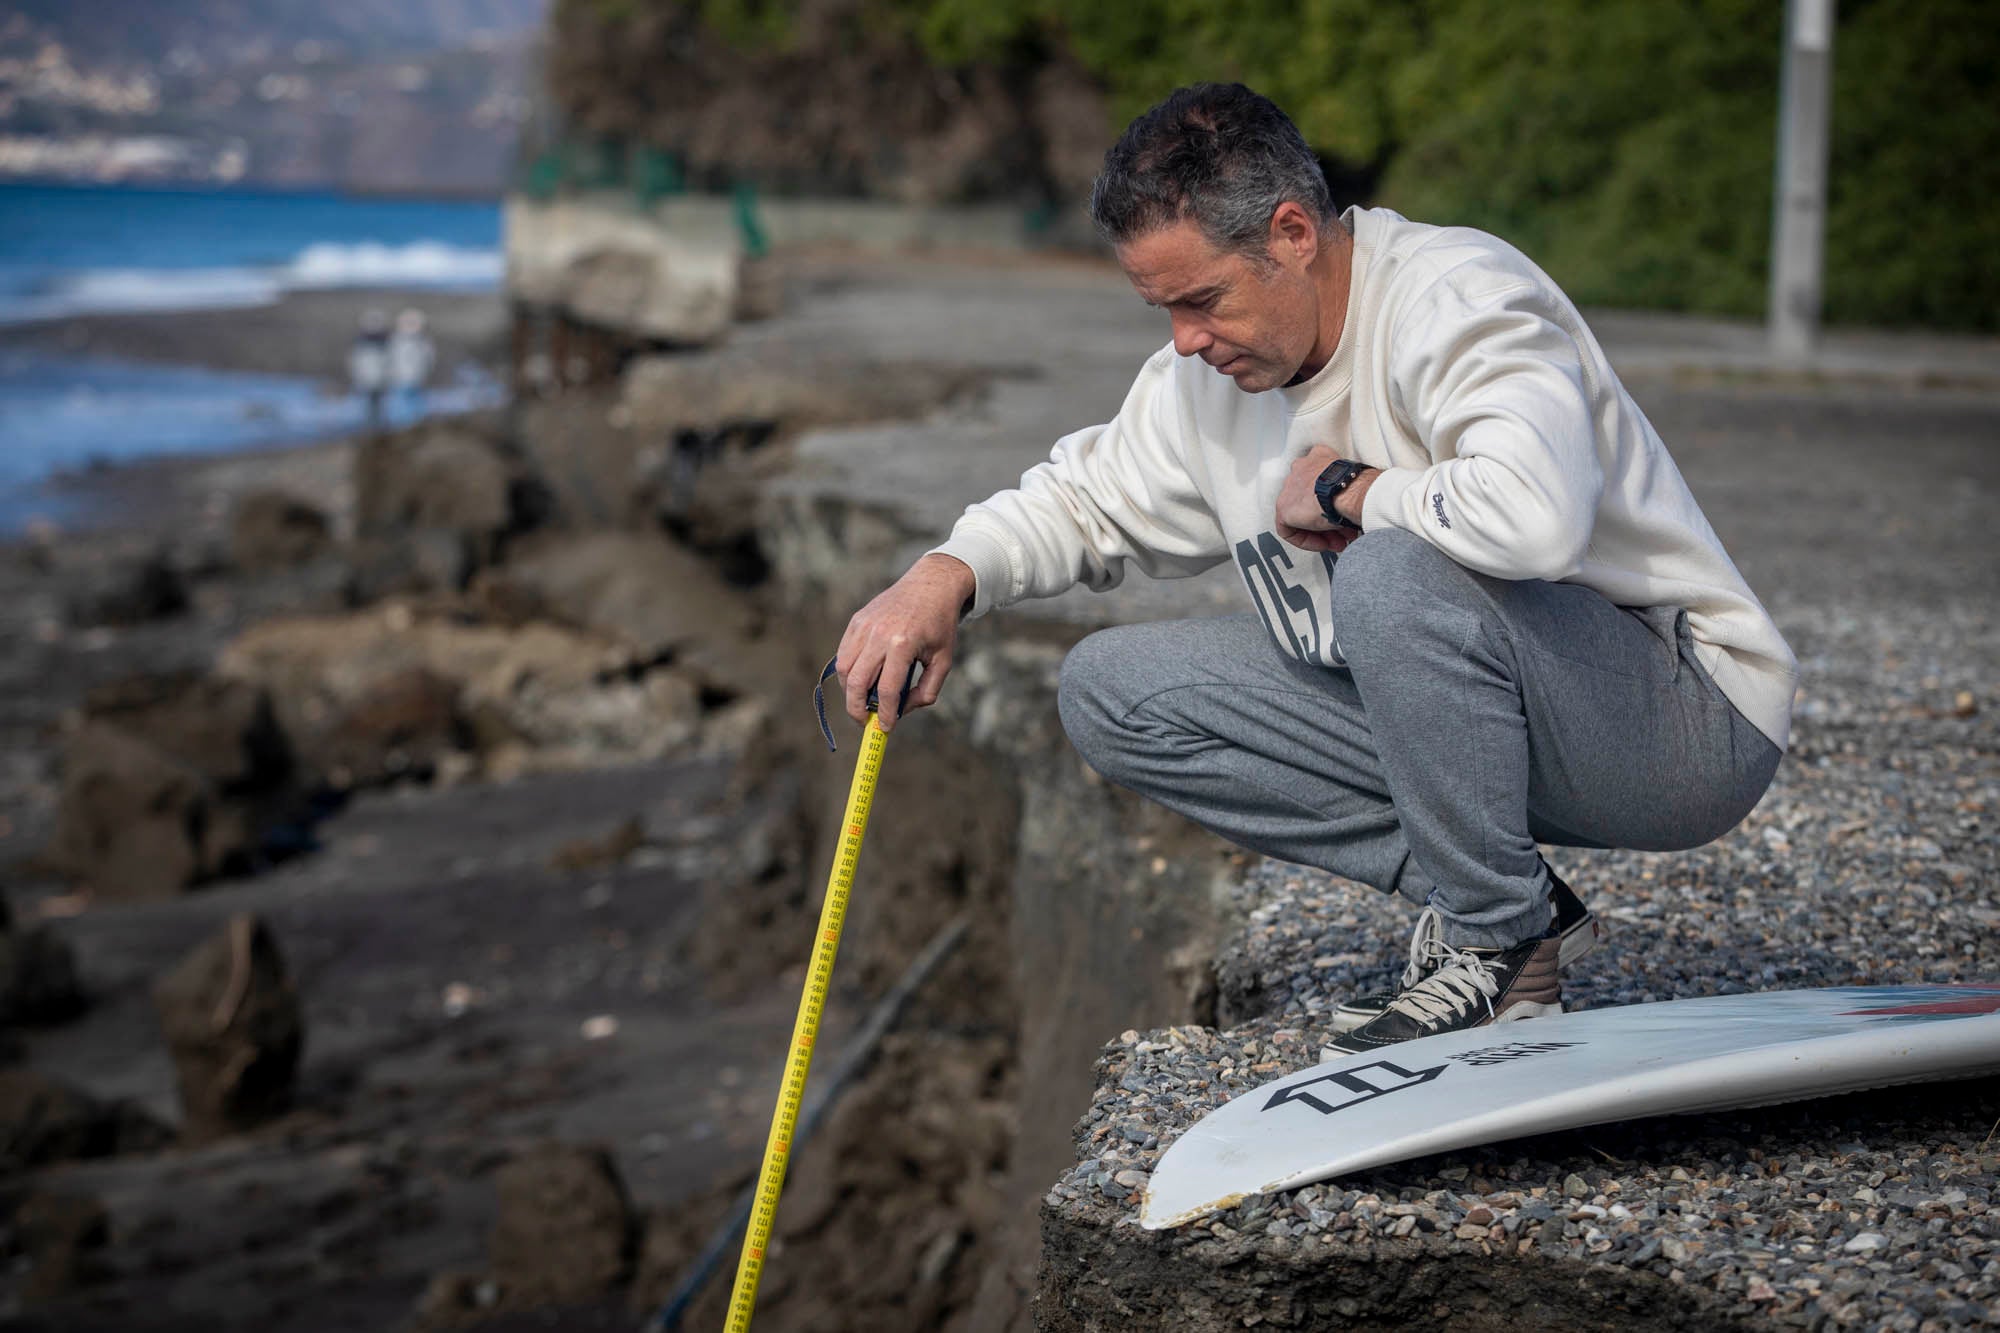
<point>1628,146</point>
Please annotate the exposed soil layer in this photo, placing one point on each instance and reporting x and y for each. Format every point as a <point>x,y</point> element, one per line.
<point>500,965</point>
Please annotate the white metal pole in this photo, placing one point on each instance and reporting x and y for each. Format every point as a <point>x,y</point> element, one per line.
<point>1798,214</point>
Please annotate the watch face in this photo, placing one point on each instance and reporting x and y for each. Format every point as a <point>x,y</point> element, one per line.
<point>1338,475</point>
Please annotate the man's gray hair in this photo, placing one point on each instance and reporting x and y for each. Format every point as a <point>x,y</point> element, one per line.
<point>1215,154</point>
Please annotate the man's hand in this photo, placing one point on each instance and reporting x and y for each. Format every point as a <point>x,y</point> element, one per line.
<point>914,620</point>
<point>1299,518</point>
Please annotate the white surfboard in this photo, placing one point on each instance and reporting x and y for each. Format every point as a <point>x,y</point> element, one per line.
<point>1499,1082</point>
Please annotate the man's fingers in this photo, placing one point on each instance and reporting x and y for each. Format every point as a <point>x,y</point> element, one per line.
<point>889,690</point>
<point>932,683</point>
<point>859,680</point>
<point>1310,539</point>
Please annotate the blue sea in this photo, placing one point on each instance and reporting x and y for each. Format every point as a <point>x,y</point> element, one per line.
<point>90,250</point>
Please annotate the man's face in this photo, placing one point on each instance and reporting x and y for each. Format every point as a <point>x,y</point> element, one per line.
<point>1254,323</point>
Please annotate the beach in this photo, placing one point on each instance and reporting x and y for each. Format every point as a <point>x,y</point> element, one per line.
<point>542,869</point>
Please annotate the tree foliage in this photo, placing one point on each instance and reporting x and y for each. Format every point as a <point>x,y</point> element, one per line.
<point>1627,146</point>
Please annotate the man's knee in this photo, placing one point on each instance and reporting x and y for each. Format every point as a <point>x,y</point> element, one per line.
<point>1088,695</point>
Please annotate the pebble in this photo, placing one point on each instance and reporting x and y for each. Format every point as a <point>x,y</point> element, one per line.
<point>1871,861</point>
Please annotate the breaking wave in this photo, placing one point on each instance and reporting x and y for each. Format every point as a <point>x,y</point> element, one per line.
<point>320,266</point>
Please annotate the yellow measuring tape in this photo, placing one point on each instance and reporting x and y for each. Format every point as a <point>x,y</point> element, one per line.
<point>792,1092</point>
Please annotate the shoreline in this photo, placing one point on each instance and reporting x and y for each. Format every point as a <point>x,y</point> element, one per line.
<point>303,336</point>
<point>302,333</point>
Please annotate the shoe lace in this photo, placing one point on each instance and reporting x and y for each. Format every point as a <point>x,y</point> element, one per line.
<point>1428,951</point>
<point>1461,977</point>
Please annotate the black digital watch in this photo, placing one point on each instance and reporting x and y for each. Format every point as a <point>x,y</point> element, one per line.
<point>1337,477</point>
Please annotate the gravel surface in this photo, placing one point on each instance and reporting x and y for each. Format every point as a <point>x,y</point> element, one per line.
<point>1871,861</point>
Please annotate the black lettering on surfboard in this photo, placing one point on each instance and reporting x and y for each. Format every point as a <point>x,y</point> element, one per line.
<point>1364,1083</point>
<point>1513,1050</point>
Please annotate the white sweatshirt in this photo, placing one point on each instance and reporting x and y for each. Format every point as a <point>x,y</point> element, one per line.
<point>1506,441</point>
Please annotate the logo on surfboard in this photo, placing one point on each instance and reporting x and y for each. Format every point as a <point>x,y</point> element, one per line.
<point>1513,1050</point>
<point>1921,1002</point>
<point>1363,1083</point>
<point>1379,1078</point>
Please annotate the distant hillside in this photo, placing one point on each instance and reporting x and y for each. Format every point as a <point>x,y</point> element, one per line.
<point>147,30</point>
<point>399,95</point>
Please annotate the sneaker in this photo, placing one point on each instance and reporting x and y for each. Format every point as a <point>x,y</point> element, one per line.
<point>1469,988</point>
<point>1578,931</point>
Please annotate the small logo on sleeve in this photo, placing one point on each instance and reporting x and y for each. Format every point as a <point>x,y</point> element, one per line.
<point>1437,508</point>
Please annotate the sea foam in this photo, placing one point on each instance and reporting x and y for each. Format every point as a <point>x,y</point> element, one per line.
<point>318,267</point>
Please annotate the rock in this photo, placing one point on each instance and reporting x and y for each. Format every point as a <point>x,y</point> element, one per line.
<point>666,291</point>
<point>133,822</point>
<point>551,695</point>
<point>130,594</point>
<point>169,781</point>
<point>709,394</point>
<point>637,588</point>
<point>63,1235</point>
<point>404,564</point>
<point>223,729</point>
<point>400,726</point>
<point>566,1230</point>
<point>45,1120</point>
<point>233,1025</point>
<point>452,480</point>
<point>620,272</point>
<point>273,530</point>
<point>38,982</point>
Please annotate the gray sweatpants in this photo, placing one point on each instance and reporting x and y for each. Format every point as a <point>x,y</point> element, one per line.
<point>1475,718</point>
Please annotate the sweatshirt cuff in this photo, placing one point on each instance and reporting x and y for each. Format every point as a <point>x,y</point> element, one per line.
<point>1384,504</point>
<point>990,565</point>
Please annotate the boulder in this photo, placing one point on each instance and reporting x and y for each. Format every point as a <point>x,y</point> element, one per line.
<point>581,445</point>
<point>620,272</point>
<point>711,393</point>
<point>45,1120</point>
<point>275,530</point>
<point>399,726</point>
<point>408,564</point>
<point>223,729</point>
<point>167,781</point>
<point>634,587</point>
<point>384,673</point>
<point>566,1230</point>
<point>664,291</point>
<point>133,822</point>
<point>233,1025</point>
<point>350,690</point>
<point>451,492</point>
